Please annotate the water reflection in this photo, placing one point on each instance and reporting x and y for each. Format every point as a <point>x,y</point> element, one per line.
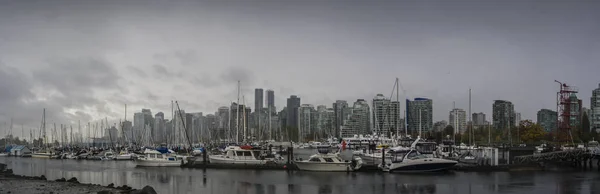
<point>181,180</point>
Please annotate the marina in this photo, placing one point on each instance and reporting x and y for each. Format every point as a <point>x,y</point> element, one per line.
<point>213,181</point>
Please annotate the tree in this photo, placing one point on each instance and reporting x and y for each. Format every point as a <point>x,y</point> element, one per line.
<point>448,130</point>
<point>530,132</point>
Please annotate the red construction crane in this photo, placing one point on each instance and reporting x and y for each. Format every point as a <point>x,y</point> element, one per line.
<point>568,110</point>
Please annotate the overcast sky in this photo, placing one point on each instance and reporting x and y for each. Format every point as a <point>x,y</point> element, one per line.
<point>83,60</point>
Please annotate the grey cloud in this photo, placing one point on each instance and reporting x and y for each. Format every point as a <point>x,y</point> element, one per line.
<point>162,72</point>
<point>137,71</point>
<point>205,80</point>
<point>235,74</point>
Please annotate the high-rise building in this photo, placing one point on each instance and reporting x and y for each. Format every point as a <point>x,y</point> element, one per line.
<point>271,101</point>
<point>575,111</point>
<point>159,128</point>
<point>293,103</point>
<point>307,123</point>
<point>223,123</point>
<point>127,130</point>
<point>240,127</point>
<point>359,121</point>
<point>195,126</point>
<point>479,119</point>
<point>547,119</point>
<point>595,109</point>
<point>341,113</point>
<point>440,126</point>
<point>178,130</point>
<point>503,114</point>
<point>386,115</point>
<point>458,120</point>
<point>419,108</point>
<point>258,99</point>
<point>517,118</point>
<point>138,127</point>
<point>209,127</point>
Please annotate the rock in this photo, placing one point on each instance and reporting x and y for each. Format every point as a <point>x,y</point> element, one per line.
<point>111,185</point>
<point>104,192</point>
<point>42,185</point>
<point>126,188</point>
<point>42,177</point>
<point>146,190</point>
<point>73,180</point>
<point>60,180</point>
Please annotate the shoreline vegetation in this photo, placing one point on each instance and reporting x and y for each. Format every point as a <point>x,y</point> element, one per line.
<point>19,184</point>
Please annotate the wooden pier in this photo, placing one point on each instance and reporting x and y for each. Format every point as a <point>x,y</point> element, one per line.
<point>575,157</point>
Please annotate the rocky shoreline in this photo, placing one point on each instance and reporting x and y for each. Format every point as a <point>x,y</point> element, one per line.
<point>11,183</point>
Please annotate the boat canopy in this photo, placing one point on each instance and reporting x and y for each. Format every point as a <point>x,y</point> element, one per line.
<point>162,150</point>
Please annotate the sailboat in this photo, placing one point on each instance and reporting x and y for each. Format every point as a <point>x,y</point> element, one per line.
<point>44,152</point>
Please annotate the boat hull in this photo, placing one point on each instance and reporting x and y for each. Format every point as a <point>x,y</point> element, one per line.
<point>324,167</point>
<point>422,167</point>
<point>158,163</point>
<point>41,155</point>
<point>3,154</point>
<point>124,157</point>
<point>218,159</point>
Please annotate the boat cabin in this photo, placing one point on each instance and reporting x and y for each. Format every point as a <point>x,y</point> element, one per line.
<point>238,153</point>
<point>153,154</point>
<point>401,155</point>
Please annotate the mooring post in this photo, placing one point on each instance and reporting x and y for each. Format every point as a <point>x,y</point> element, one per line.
<point>382,157</point>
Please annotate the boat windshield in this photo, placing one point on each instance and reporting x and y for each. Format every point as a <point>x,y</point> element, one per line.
<point>415,155</point>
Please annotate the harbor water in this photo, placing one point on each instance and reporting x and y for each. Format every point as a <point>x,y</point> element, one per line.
<point>209,181</point>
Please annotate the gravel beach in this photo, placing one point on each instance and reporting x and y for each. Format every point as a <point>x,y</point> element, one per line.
<point>11,183</point>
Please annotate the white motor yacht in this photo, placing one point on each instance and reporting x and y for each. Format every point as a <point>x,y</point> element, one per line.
<point>328,162</point>
<point>410,160</point>
<point>237,155</point>
<point>125,155</point>
<point>154,158</point>
<point>41,154</point>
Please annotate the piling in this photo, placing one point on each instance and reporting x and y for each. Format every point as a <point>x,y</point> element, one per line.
<point>382,157</point>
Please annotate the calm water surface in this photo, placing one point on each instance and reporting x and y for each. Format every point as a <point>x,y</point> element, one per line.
<point>217,181</point>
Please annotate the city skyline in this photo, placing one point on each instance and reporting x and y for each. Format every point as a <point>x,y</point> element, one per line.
<point>85,61</point>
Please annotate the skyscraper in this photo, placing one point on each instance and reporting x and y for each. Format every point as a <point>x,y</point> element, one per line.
<point>386,115</point>
<point>159,128</point>
<point>223,123</point>
<point>359,121</point>
<point>595,109</point>
<point>293,103</point>
<point>547,119</point>
<point>478,119</point>
<point>340,114</point>
<point>458,120</point>
<point>517,118</point>
<point>503,114</point>
<point>419,108</point>
<point>258,99</point>
<point>306,123</point>
<point>271,101</point>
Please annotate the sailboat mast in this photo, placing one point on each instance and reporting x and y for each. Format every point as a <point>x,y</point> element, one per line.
<point>237,115</point>
<point>270,129</point>
<point>470,122</point>
<point>398,109</point>
<point>245,134</point>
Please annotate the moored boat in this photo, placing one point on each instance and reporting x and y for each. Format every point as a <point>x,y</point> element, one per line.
<point>238,155</point>
<point>154,158</point>
<point>328,162</point>
<point>410,160</point>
